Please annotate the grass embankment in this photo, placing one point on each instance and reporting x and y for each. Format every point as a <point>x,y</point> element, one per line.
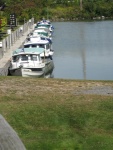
<point>51,114</point>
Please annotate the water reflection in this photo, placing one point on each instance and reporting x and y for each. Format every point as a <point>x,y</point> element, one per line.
<point>50,74</point>
<point>83,50</point>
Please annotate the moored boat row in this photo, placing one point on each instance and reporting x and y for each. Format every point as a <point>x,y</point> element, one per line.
<point>35,57</point>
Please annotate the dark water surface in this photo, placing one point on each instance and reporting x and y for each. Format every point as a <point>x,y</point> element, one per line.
<point>83,50</point>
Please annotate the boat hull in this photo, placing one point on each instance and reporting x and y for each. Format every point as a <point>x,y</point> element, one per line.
<point>33,72</point>
<point>15,71</point>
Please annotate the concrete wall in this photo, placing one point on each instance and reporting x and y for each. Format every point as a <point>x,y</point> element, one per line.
<point>4,70</point>
<point>13,36</point>
<point>9,139</point>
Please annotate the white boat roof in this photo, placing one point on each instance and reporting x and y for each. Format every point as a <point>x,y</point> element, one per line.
<point>35,34</point>
<point>34,40</point>
<point>41,30</point>
<point>28,51</point>
<point>42,38</point>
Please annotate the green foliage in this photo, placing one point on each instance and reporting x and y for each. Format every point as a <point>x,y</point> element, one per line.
<point>66,9</point>
<point>2,2</point>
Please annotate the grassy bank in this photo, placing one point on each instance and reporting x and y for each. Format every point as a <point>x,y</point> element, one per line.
<point>51,114</point>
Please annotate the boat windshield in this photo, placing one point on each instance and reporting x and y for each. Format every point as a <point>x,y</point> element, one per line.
<point>15,58</point>
<point>26,46</point>
<point>43,33</point>
<point>44,25</point>
<point>33,57</point>
<point>41,46</point>
<point>24,57</point>
<point>34,45</point>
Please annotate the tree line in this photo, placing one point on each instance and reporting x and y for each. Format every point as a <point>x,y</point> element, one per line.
<point>57,9</point>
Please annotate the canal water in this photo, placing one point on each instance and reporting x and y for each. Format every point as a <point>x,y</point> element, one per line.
<point>83,50</point>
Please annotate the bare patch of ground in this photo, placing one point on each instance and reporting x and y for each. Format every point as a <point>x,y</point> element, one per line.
<point>103,90</point>
<point>20,86</point>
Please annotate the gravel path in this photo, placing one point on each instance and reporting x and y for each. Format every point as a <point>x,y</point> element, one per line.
<point>103,90</point>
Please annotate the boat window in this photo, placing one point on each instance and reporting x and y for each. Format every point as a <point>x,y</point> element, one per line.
<point>33,45</point>
<point>15,58</point>
<point>43,33</point>
<point>47,46</point>
<point>41,45</point>
<point>44,25</point>
<point>24,57</point>
<point>39,58</point>
<point>26,46</point>
<point>33,57</point>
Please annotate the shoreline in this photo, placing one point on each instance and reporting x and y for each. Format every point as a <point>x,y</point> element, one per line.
<point>70,86</point>
<point>102,18</point>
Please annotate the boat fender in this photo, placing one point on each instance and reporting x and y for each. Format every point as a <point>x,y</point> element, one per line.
<point>20,66</point>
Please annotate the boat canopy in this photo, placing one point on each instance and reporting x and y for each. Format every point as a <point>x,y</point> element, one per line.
<point>29,50</point>
<point>42,33</point>
<point>43,25</point>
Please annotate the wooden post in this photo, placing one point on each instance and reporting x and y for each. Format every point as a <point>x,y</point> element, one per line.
<point>9,139</point>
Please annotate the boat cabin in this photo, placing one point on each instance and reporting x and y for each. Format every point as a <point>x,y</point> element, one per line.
<point>26,57</point>
<point>44,45</point>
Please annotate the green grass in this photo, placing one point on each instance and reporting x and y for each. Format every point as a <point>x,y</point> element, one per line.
<point>54,119</point>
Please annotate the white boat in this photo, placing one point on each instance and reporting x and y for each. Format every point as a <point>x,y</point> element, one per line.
<point>43,33</point>
<point>40,42</point>
<point>45,23</point>
<point>35,35</point>
<point>43,30</point>
<point>27,62</point>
